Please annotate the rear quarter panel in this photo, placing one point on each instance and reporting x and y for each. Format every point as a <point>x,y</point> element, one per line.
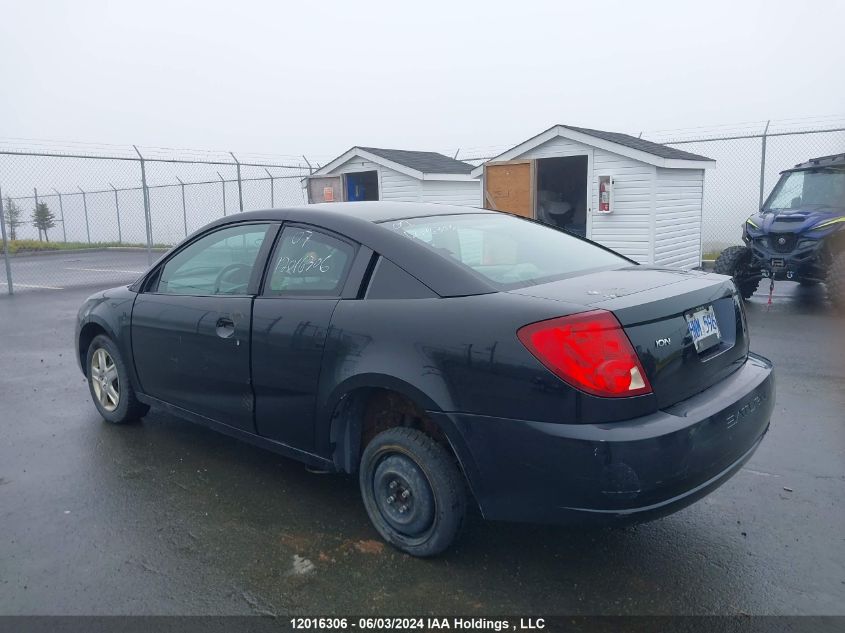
<point>458,354</point>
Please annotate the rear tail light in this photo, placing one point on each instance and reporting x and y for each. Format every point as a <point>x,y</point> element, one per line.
<point>589,351</point>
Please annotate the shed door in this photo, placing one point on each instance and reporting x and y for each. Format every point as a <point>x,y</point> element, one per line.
<point>325,189</point>
<point>510,187</point>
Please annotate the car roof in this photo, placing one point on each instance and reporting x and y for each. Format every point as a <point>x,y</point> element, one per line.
<point>379,211</point>
<point>361,222</point>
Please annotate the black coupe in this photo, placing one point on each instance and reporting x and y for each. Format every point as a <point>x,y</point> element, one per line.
<point>446,355</point>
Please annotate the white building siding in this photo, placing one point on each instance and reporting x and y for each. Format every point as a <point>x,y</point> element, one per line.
<point>399,187</point>
<point>628,228</point>
<point>458,192</point>
<point>353,165</point>
<point>556,147</point>
<point>677,224</point>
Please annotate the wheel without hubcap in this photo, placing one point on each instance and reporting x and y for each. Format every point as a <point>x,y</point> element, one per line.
<point>413,491</point>
<point>403,495</point>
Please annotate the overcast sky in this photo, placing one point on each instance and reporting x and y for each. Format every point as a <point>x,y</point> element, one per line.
<point>319,77</point>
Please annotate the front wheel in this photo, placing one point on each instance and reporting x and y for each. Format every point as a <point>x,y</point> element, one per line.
<point>413,491</point>
<point>835,281</point>
<point>736,262</point>
<point>108,382</point>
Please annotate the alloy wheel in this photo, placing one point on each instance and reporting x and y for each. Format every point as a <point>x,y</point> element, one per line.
<point>105,380</point>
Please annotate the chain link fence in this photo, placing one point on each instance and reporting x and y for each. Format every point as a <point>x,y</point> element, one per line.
<point>747,168</point>
<point>84,220</point>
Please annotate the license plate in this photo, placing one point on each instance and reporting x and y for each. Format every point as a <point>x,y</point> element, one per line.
<point>778,262</point>
<point>703,328</point>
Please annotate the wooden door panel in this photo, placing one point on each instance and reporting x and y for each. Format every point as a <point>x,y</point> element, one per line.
<point>325,189</point>
<point>509,187</point>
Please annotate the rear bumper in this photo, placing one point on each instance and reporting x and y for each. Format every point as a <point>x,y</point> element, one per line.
<point>623,471</point>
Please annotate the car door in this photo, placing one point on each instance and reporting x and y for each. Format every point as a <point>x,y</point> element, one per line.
<point>191,328</point>
<point>305,280</point>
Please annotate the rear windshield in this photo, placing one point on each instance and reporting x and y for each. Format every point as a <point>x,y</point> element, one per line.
<point>507,250</point>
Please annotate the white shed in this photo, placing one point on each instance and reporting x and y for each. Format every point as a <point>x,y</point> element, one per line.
<point>640,198</point>
<point>372,173</point>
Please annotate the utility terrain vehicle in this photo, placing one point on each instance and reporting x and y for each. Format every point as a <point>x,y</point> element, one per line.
<point>798,234</point>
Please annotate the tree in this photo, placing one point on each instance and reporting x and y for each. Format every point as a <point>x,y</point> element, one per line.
<point>43,219</point>
<point>12,213</point>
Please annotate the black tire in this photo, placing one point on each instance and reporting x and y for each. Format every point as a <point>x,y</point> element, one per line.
<point>128,408</point>
<point>401,460</point>
<point>835,282</point>
<point>736,262</point>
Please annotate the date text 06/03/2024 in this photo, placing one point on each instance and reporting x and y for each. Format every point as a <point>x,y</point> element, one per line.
<point>411,623</point>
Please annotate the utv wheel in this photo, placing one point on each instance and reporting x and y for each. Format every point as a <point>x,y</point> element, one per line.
<point>108,382</point>
<point>413,491</point>
<point>736,262</point>
<point>835,282</point>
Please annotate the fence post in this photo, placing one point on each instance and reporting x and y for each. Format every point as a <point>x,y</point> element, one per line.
<point>147,215</point>
<point>85,208</point>
<point>240,187</point>
<point>35,195</point>
<point>272,190</point>
<point>5,245</point>
<point>117,208</point>
<point>224,193</point>
<point>62,212</point>
<point>184,208</point>
<point>763,166</point>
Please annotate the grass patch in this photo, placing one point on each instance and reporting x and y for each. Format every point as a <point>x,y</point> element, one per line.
<point>36,246</point>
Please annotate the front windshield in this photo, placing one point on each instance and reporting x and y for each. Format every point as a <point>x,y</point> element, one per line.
<point>506,250</point>
<point>807,189</point>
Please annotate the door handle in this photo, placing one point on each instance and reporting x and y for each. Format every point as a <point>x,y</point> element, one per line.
<point>225,327</point>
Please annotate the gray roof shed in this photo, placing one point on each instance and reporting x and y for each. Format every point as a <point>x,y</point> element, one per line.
<point>394,174</point>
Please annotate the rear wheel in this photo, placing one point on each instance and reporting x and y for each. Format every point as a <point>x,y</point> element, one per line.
<point>413,491</point>
<point>835,281</point>
<point>736,262</point>
<point>108,382</point>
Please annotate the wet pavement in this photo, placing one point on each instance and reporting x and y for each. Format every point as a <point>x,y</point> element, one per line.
<point>164,517</point>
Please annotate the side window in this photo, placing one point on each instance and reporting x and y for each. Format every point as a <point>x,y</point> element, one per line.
<point>217,264</point>
<point>308,262</point>
<point>391,282</point>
